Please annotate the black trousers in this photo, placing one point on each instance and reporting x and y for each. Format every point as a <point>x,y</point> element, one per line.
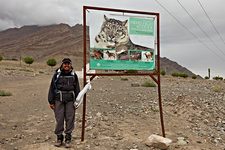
<point>64,113</point>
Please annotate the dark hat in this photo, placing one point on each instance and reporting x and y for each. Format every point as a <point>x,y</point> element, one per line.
<point>66,60</point>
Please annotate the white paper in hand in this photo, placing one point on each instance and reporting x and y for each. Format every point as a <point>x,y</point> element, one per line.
<point>80,96</point>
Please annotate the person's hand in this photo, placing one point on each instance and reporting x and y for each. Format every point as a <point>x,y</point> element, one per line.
<point>52,106</point>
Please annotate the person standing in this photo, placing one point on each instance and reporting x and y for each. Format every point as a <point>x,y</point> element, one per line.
<point>63,91</point>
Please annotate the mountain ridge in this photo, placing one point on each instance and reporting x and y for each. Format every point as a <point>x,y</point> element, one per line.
<point>56,41</point>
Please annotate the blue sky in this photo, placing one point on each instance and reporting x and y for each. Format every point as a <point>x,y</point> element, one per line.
<point>187,35</point>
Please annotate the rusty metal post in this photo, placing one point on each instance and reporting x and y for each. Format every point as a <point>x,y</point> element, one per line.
<point>121,74</point>
<point>159,83</point>
<point>84,72</point>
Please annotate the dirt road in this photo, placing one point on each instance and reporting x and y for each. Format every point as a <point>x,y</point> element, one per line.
<point>119,115</point>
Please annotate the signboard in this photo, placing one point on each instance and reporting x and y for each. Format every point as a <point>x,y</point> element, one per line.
<point>121,42</point>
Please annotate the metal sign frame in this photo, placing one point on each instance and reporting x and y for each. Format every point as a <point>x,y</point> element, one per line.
<point>154,75</point>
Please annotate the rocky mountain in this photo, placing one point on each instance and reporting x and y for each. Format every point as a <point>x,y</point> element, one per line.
<point>41,42</point>
<point>171,66</point>
<point>55,41</point>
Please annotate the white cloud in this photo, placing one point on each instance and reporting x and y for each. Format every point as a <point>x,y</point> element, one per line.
<point>41,12</point>
<point>176,42</point>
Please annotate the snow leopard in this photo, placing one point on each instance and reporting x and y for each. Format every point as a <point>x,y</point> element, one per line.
<point>114,35</point>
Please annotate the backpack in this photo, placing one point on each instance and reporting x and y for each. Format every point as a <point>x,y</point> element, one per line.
<point>58,73</point>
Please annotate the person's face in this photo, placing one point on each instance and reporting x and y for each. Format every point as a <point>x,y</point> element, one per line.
<point>67,66</point>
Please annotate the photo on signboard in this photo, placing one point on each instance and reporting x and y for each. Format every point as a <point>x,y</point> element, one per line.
<point>135,55</point>
<point>122,52</point>
<point>147,56</point>
<point>123,39</point>
<point>96,54</point>
<point>110,55</point>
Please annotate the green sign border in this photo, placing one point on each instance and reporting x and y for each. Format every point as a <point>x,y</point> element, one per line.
<point>101,64</point>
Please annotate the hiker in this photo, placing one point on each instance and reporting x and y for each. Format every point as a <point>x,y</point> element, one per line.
<point>63,91</point>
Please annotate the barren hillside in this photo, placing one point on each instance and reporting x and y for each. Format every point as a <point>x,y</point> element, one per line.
<point>55,41</point>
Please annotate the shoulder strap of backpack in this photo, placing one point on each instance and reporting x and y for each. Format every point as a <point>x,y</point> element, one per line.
<point>58,73</point>
<point>73,73</point>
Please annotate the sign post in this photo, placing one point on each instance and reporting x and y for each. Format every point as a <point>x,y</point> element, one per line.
<point>130,41</point>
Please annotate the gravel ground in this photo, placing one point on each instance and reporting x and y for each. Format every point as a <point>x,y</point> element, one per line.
<point>121,113</point>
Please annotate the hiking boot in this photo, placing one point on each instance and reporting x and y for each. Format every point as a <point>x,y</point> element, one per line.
<point>68,140</point>
<point>59,141</point>
<point>68,144</point>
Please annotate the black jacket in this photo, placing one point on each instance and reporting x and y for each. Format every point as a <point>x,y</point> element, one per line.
<point>64,87</point>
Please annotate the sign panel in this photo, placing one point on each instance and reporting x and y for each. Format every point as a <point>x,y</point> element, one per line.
<point>141,26</point>
<point>121,42</point>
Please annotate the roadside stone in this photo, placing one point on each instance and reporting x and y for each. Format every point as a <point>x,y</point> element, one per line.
<point>119,137</point>
<point>94,135</point>
<point>88,147</point>
<point>18,136</point>
<point>115,146</point>
<point>158,142</point>
<point>89,128</point>
<point>181,141</point>
<point>135,146</point>
<point>199,142</point>
<point>96,143</point>
<point>38,138</point>
<point>47,138</point>
<point>98,114</point>
<point>135,84</point>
